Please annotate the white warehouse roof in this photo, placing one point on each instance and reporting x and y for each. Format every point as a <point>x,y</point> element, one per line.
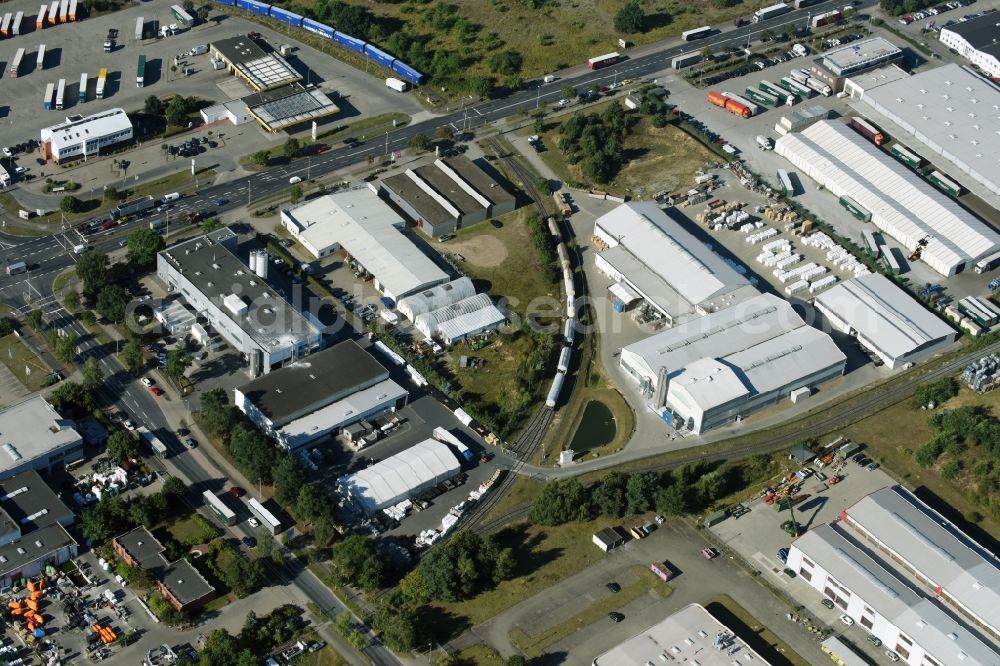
<point>401,476</point>
<point>436,297</point>
<point>662,260</point>
<point>953,112</point>
<point>886,318</point>
<point>936,550</point>
<point>471,323</point>
<point>901,204</point>
<point>919,618</point>
<point>361,223</point>
<point>72,132</point>
<point>429,322</point>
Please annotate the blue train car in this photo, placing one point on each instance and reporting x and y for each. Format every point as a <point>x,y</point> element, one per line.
<point>407,72</point>
<point>379,56</point>
<point>352,43</point>
<point>318,28</point>
<point>285,16</point>
<point>228,3</point>
<point>260,8</point>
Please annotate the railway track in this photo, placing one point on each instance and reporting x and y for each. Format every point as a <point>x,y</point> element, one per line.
<point>522,173</point>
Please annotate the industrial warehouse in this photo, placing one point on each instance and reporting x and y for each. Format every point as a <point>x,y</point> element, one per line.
<point>690,636</point>
<point>885,319</point>
<point>237,301</point>
<point>319,395</point>
<point>83,137</point>
<point>730,363</point>
<point>643,248</point>
<point>447,195</point>
<point>950,112</point>
<point>910,624</point>
<point>367,231</point>
<point>400,477</point>
<point>953,566</point>
<point>259,69</point>
<point>285,107</point>
<point>925,221</point>
<point>853,59</point>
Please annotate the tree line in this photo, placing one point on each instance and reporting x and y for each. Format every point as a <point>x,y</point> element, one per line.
<point>597,140</point>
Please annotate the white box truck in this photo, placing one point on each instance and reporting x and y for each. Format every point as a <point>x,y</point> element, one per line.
<point>396,84</point>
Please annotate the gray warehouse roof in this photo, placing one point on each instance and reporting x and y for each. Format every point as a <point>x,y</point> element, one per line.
<point>932,547</point>
<point>184,581</point>
<point>884,315</point>
<point>858,54</point>
<point>260,311</point>
<point>312,381</point>
<point>262,70</point>
<point>31,503</point>
<point>32,429</point>
<point>953,112</point>
<point>290,105</point>
<point>15,555</point>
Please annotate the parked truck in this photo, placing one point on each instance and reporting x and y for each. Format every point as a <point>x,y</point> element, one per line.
<point>60,94</point>
<point>445,437</point>
<point>754,109</point>
<point>764,142</point>
<point>728,104</point>
<point>15,64</point>
<point>5,24</point>
<point>775,91</point>
<point>766,13</point>
<point>761,97</point>
<point>140,25</point>
<point>396,84</point>
<point>989,263</point>
<point>50,90</point>
<point>868,130</point>
<point>40,19</point>
<point>140,72</point>
<point>819,86</point>
<point>825,18</point>
<point>102,79</point>
<point>82,97</point>
<point>132,207</point>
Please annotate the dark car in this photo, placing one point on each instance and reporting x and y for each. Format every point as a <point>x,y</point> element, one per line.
<point>828,603</point>
<point>249,541</point>
<point>616,616</point>
<point>874,640</point>
<point>222,202</point>
<point>783,554</point>
<point>614,587</point>
<point>236,491</point>
<point>497,224</point>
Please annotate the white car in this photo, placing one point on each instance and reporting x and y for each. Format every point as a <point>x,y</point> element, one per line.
<point>128,425</point>
<point>892,656</point>
<point>252,522</point>
<point>20,169</point>
<point>294,179</point>
<point>563,102</point>
<point>147,382</point>
<point>7,152</point>
<point>847,619</point>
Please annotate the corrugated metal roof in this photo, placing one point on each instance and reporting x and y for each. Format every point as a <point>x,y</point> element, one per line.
<point>436,297</point>
<point>883,314</point>
<point>933,548</point>
<point>403,475</point>
<point>471,323</point>
<point>901,204</point>
<point>431,321</point>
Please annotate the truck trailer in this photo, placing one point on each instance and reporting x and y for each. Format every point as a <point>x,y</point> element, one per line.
<point>50,90</point>
<point>5,24</point>
<point>132,207</point>
<point>60,94</point>
<point>733,106</point>
<point>754,109</point>
<point>140,25</point>
<point>15,64</point>
<point>825,18</point>
<point>82,97</point>
<point>793,86</point>
<point>761,97</point>
<point>15,26</point>
<point>819,86</point>
<point>102,79</point>
<point>40,19</point>
<point>868,130</point>
<point>140,72</point>
<point>775,91</point>
<point>40,58</point>
<point>766,13</point>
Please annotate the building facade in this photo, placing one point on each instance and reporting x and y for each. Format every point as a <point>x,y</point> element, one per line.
<point>977,40</point>
<point>180,583</point>
<point>83,137</point>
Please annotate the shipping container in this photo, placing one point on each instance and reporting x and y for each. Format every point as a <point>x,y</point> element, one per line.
<point>766,13</point>
<point>978,311</point>
<point>40,58</point>
<point>285,16</point>
<point>140,27</point>
<point>762,97</point>
<point>605,60</point>
<point>855,209</point>
<point>696,33</point>
<point>60,94</point>
<point>320,29</point>
<point>379,56</point>
<point>350,42</point>
<point>686,60</point>
<point>40,19</point>
<point>872,246</point>
<point>102,79</point>
<point>785,183</point>
<point>15,26</point>
<point>5,24</point>
<point>259,8</point>
<point>945,183</point>
<point>82,96</point>
<point>73,11</point>
<point>890,262</point>
<point>407,72</point>
<point>140,72</point>
<point>396,84</point>
<point>908,158</point>
<point>15,64</point>
<point>184,19</point>
<point>988,263</point>
<point>50,90</point>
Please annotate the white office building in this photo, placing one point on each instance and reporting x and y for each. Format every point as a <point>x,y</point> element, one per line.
<point>364,229</point>
<point>730,363</point>
<point>977,40</point>
<point>913,626</point>
<point>885,319</point>
<point>901,204</point>
<point>237,301</point>
<point>644,248</point>
<point>84,137</point>
<point>34,436</point>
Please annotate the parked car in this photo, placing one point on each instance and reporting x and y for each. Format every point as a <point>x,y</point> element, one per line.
<point>190,443</point>
<point>147,382</point>
<point>156,390</point>
<point>892,656</point>
<point>709,553</point>
<point>614,587</point>
<point>847,619</point>
<point>872,467</point>
<point>874,640</point>
<point>252,522</point>
<point>249,541</point>
<point>827,603</point>
<point>236,491</point>
<point>128,425</point>
<point>783,554</point>
<point>616,616</point>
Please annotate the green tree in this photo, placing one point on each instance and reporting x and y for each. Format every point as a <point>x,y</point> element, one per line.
<point>111,194</point>
<point>176,111</point>
<point>630,18</point>
<point>506,62</point>
<point>112,302</point>
<point>64,348</point>
<point>355,559</point>
<point>444,133</point>
<point>568,92</point>
<point>188,5</point>
<point>640,491</point>
<point>218,416</point>
<point>73,397</point>
<point>210,225</point>
<point>396,625</point>
<point>132,355</point>
<point>310,503</point>
<point>153,106</point>
<point>295,193</point>
<point>173,487</point>
<point>121,445</point>
<point>767,35</point>
<point>937,392</point>
<point>177,364</point>
<point>70,204</point>
<point>143,244</point>
<point>706,53</point>
<point>35,320</point>
<point>93,375</point>
<point>291,148</point>
<point>260,158</point>
<point>289,478</point>
<point>516,660</point>
<point>72,300</point>
<point>92,269</point>
<point>419,142</point>
<point>252,451</point>
<point>671,500</point>
<point>481,86</point>
<point>608,498</point>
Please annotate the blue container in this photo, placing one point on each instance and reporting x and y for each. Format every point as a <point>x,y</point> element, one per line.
<point>228,3</point>
<point>668,418</point>
<point>260,8</point>
<point>350,42</point>
<point>618,306</point>
<point>38,633</point>
<point>318,28</point>
<point>285,16</point>
<point>388,302</point>
<point>379,56</point>
<point>407,72</point>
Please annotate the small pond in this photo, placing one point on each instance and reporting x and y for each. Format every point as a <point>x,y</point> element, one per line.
<point>597,427</point>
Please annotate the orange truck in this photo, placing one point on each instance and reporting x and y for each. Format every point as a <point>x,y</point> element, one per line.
<point>729,104</point>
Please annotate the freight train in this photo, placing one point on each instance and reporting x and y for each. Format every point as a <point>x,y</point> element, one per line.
<point>569,328</point>
<point>354,44</point>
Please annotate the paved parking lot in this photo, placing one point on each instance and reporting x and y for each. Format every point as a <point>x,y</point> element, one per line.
<point>72,50</point>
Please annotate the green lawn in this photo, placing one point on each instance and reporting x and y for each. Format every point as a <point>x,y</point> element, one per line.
<point>325,657</point>
<point>477,655</point>
<point>192,530</point>
<point>16,356</point>
<point>217,604</point>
